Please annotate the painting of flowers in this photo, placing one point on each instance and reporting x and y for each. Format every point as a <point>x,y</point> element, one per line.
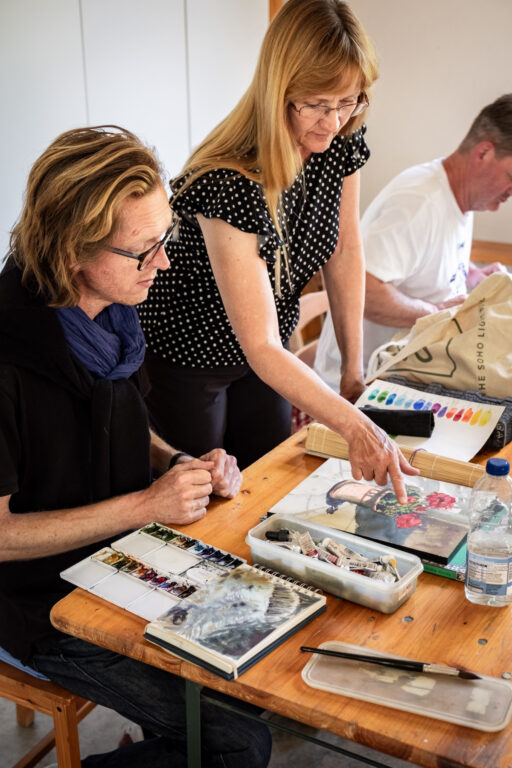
<point>431,524</point>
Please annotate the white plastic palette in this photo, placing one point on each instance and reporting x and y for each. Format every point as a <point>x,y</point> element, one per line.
<point>168,563</point>
<point>484,704</point>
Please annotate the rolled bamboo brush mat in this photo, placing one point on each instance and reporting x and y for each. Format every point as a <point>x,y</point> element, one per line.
<point>322,441</point>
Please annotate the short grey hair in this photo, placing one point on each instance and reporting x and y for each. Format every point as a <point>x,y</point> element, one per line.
<point>494,124</point>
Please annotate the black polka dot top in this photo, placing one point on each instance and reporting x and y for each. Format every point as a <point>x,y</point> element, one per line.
<point>183,317</point>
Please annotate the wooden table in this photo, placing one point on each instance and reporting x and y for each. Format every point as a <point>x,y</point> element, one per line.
<point>437,623</point>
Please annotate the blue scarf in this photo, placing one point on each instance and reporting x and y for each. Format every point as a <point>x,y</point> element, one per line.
<point>112,346</point>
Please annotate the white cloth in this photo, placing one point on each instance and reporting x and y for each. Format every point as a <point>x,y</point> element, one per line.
<point>416,237</point>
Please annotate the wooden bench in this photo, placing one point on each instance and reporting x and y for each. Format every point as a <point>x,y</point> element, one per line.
<point>32,694</point>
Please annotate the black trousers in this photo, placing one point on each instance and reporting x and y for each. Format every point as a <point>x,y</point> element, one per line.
<point>198,409</point>
<point>154,699</point>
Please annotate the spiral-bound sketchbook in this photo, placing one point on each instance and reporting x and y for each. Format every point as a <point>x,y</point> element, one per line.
<point>232,622</point>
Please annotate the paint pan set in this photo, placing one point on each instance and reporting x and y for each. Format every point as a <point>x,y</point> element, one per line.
<point>149,570</point>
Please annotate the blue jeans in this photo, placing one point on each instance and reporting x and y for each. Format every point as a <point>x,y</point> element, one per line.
<point>154,699</point>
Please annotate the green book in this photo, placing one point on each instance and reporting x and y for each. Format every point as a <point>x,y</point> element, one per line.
<point>455,568</point>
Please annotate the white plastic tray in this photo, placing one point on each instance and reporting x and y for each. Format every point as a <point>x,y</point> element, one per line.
<point>484,704</point>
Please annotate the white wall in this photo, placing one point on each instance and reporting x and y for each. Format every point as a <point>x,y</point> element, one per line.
<point>221,63</point>
<point>171,69</point>
<point>168,70</point>
<point>42,90</point>
<point>441,61</point>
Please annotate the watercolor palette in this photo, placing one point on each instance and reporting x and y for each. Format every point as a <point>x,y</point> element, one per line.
<point>461,428</point>
<point>149,570</point>
<point>484,704</point>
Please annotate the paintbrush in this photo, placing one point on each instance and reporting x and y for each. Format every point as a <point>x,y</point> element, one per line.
<point>386,661</point>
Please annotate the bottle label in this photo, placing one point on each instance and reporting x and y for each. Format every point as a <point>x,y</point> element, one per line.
<point>489,575</point>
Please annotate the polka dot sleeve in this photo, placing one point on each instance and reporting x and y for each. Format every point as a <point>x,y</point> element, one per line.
<point>228,195</point>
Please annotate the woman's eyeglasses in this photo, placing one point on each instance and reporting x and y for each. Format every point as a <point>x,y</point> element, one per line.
<point>319,111</point>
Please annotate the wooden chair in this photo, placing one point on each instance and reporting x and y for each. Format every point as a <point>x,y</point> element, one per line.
<point>312,305</point>
<point>30,693</point>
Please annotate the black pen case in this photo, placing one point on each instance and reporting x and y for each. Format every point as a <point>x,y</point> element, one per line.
<point>401,422</point>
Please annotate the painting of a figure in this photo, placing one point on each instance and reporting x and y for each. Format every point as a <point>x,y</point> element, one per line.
<point>432,523</point>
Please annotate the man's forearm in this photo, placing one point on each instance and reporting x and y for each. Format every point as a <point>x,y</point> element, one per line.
<point>40,534</point>
<point>386,305</point>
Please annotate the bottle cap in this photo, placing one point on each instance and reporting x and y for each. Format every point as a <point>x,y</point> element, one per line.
<point>497,467</point>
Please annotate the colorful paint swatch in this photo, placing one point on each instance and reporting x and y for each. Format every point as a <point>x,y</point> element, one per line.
<point>484,419</point>
<point>475,418</point>
<point>467,416</point>
<point>452,435</point>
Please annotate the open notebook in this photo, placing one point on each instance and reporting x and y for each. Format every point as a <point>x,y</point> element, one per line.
<point>232,622</point>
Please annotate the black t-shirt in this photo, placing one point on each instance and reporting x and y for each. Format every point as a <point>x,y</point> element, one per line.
<point>184,318</point>
<point>66,440</point>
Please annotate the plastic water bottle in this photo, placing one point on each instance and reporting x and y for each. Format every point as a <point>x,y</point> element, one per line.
<point>489,544</point>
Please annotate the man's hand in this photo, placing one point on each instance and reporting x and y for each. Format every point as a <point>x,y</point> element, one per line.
<point>181,495</point>
<point>477,274</point>
<point>454,301</point>
<point>226,477</point>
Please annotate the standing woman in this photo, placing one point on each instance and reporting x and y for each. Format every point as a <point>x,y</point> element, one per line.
<point>269,198</point>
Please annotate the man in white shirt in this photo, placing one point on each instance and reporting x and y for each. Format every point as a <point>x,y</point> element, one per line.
<point>417,235</point>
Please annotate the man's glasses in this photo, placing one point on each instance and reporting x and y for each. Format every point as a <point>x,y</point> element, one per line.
<point>319,111</point>
<point>146,257</point>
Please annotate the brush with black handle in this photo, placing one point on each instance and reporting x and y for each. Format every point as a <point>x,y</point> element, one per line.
<point>386,661</point>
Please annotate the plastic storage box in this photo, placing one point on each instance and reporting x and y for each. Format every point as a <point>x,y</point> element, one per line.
<point>371,593</point>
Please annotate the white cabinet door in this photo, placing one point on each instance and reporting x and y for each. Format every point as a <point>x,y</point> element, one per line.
<point>135,68</point>
<point>41,89</point>
<point>224,38</point>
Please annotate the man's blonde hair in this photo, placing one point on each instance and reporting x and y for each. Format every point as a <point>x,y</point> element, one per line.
<point>74,192</point>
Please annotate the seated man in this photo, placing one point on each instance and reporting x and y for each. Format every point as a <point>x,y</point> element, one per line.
<point>417,235</point>
<point>77,455</point>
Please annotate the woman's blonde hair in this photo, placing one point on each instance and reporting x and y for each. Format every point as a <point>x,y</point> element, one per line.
<point>311,46</point>
<point>74,192</point>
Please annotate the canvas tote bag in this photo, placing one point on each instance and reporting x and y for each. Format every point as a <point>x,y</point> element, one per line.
<point>464,347</point>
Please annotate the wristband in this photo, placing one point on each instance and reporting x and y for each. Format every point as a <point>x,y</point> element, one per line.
<point>175,458</point>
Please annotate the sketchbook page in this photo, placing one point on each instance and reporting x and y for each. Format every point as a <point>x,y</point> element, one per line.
<point>233,619</point>
<point>432,524</point>
<point>461,427</point>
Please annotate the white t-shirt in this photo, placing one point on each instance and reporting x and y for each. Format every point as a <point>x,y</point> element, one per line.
<point>416,237</point>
